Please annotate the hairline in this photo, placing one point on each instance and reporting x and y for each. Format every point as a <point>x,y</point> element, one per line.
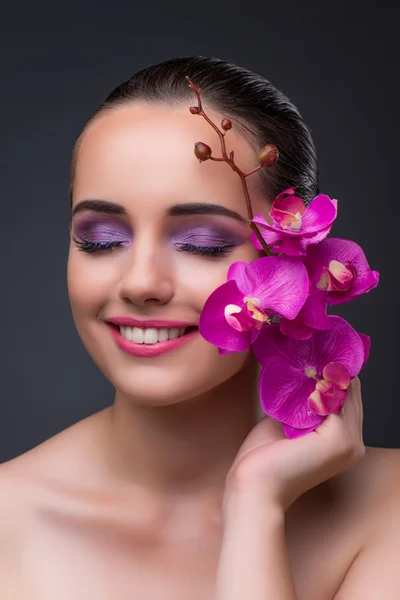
<point>242,125</point>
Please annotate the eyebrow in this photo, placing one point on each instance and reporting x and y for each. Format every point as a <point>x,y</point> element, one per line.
<point>177,210</point>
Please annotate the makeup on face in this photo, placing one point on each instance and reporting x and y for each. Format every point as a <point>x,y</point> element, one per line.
<point>103,229</point>
<point>194,230</point>
<point>203,235</point>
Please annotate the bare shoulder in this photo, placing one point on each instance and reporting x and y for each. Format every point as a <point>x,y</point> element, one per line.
<point>63,459</point>
<point>374,487</point>
<point>66,456</point>
<point>379,474</point>
<point>14,517</point>
<point>381,467</point>
<point>38,479</point>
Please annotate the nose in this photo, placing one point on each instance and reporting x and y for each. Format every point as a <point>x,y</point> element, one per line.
<point>148,277</point>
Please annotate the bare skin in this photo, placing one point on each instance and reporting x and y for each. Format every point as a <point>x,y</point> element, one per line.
<point>127,503</point>
<point>68,534</point>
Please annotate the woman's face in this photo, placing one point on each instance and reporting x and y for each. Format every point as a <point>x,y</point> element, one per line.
<point>175,227</point>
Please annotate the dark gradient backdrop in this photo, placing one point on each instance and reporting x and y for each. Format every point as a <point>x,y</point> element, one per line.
<point>338,63</point>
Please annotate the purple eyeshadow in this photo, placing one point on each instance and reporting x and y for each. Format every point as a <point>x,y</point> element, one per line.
<point>103,231</point>
<point>207,237</point>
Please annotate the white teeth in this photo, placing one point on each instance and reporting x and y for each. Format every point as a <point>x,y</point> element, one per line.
<point>137,335</point>
<point>127,332</point>
<point>162,335</point>
<point>150,335</point>
<point>173,333</point>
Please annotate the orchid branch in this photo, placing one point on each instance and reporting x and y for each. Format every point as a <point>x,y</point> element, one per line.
<point>267,157</point>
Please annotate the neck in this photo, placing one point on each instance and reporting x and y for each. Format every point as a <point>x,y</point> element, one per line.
<point>186,448</point>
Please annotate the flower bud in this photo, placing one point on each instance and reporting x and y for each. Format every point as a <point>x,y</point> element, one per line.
<point>226,124</point>
<point>194,110</point>
<point>268,155</point>
<point>202,151</point>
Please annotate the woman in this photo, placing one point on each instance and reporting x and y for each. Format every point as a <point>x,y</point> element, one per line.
<point>181,489</point>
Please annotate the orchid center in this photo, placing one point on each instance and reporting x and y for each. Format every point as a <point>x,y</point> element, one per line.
<point>337,277</point>
<point>331,390</point>
<point>287,211</point>
<point>246,317</point>
<point>311,372</point>
<point>296,224</point>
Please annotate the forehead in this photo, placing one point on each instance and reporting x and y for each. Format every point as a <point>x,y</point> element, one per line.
<point>146,152</point>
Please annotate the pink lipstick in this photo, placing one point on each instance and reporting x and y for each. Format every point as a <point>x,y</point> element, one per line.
<point>150,350</point>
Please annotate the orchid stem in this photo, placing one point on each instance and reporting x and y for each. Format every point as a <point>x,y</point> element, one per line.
<point>233,165</point>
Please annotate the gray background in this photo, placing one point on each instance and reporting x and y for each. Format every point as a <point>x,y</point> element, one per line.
<point>338,63</point>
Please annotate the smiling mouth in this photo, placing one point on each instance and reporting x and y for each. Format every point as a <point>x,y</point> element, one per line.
<point>152,335</point>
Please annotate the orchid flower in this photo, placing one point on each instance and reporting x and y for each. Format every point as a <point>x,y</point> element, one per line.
<point>338,272</point>
<point>309,358</point>
<point>295,225</point>
<point>302,381</point>
<point>235,312</point>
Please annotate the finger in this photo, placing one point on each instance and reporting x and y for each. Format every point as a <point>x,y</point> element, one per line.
<point>347,425</point>
<point>352,410</point>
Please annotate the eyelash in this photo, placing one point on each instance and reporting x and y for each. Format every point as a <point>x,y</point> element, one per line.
<point>212,251</point>
<point>92,247</point>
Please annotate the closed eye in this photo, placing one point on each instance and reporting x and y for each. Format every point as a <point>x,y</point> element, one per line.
<point>205,250</point>
<point>210,251</point>
<point>92,247</point>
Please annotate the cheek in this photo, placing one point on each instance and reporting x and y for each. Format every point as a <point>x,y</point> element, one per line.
<point>88,281</point>
<point>248,253</point>
<point>199,278</point>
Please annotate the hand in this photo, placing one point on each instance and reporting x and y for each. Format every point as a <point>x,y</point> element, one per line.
<point>283,469</point>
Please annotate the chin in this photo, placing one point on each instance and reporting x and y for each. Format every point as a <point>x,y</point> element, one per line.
<point>163,383</point>
<point>174,377</point>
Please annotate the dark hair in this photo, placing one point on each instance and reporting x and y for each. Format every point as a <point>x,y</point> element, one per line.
<point>261,112</point>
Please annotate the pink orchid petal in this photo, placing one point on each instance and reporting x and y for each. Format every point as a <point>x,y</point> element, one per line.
<point>340,344</point>
<point>272,343</point>
<point>286,219</point>
<point>337,373</point>
<point>291,246</point>
<point>320,214</point>
<point>253,334</point>
<point>290,369</point>
<point>312,316</point>
<point>289,203</point>
<point>259,219</point>
<point>318,236</point>
<point>276,229</point>
<point>246,318</point>
<point>292,433</point>
<point>344,251</point>
<point>288,192</point>
<point>269,235</point>
<point>313,312</point>
<point>342,276</point>
<point>271,240</point>
<point>328,398</point>
<point>295,328</point>
<point>368,283</point>
<point>283,394</point>
<point>237,271</point>
<point>256,243</point>
<point>287,211</point>
<point>280,283</point>
<point>318,217</point>
<point>366,340</point>
<point>213,325</point>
